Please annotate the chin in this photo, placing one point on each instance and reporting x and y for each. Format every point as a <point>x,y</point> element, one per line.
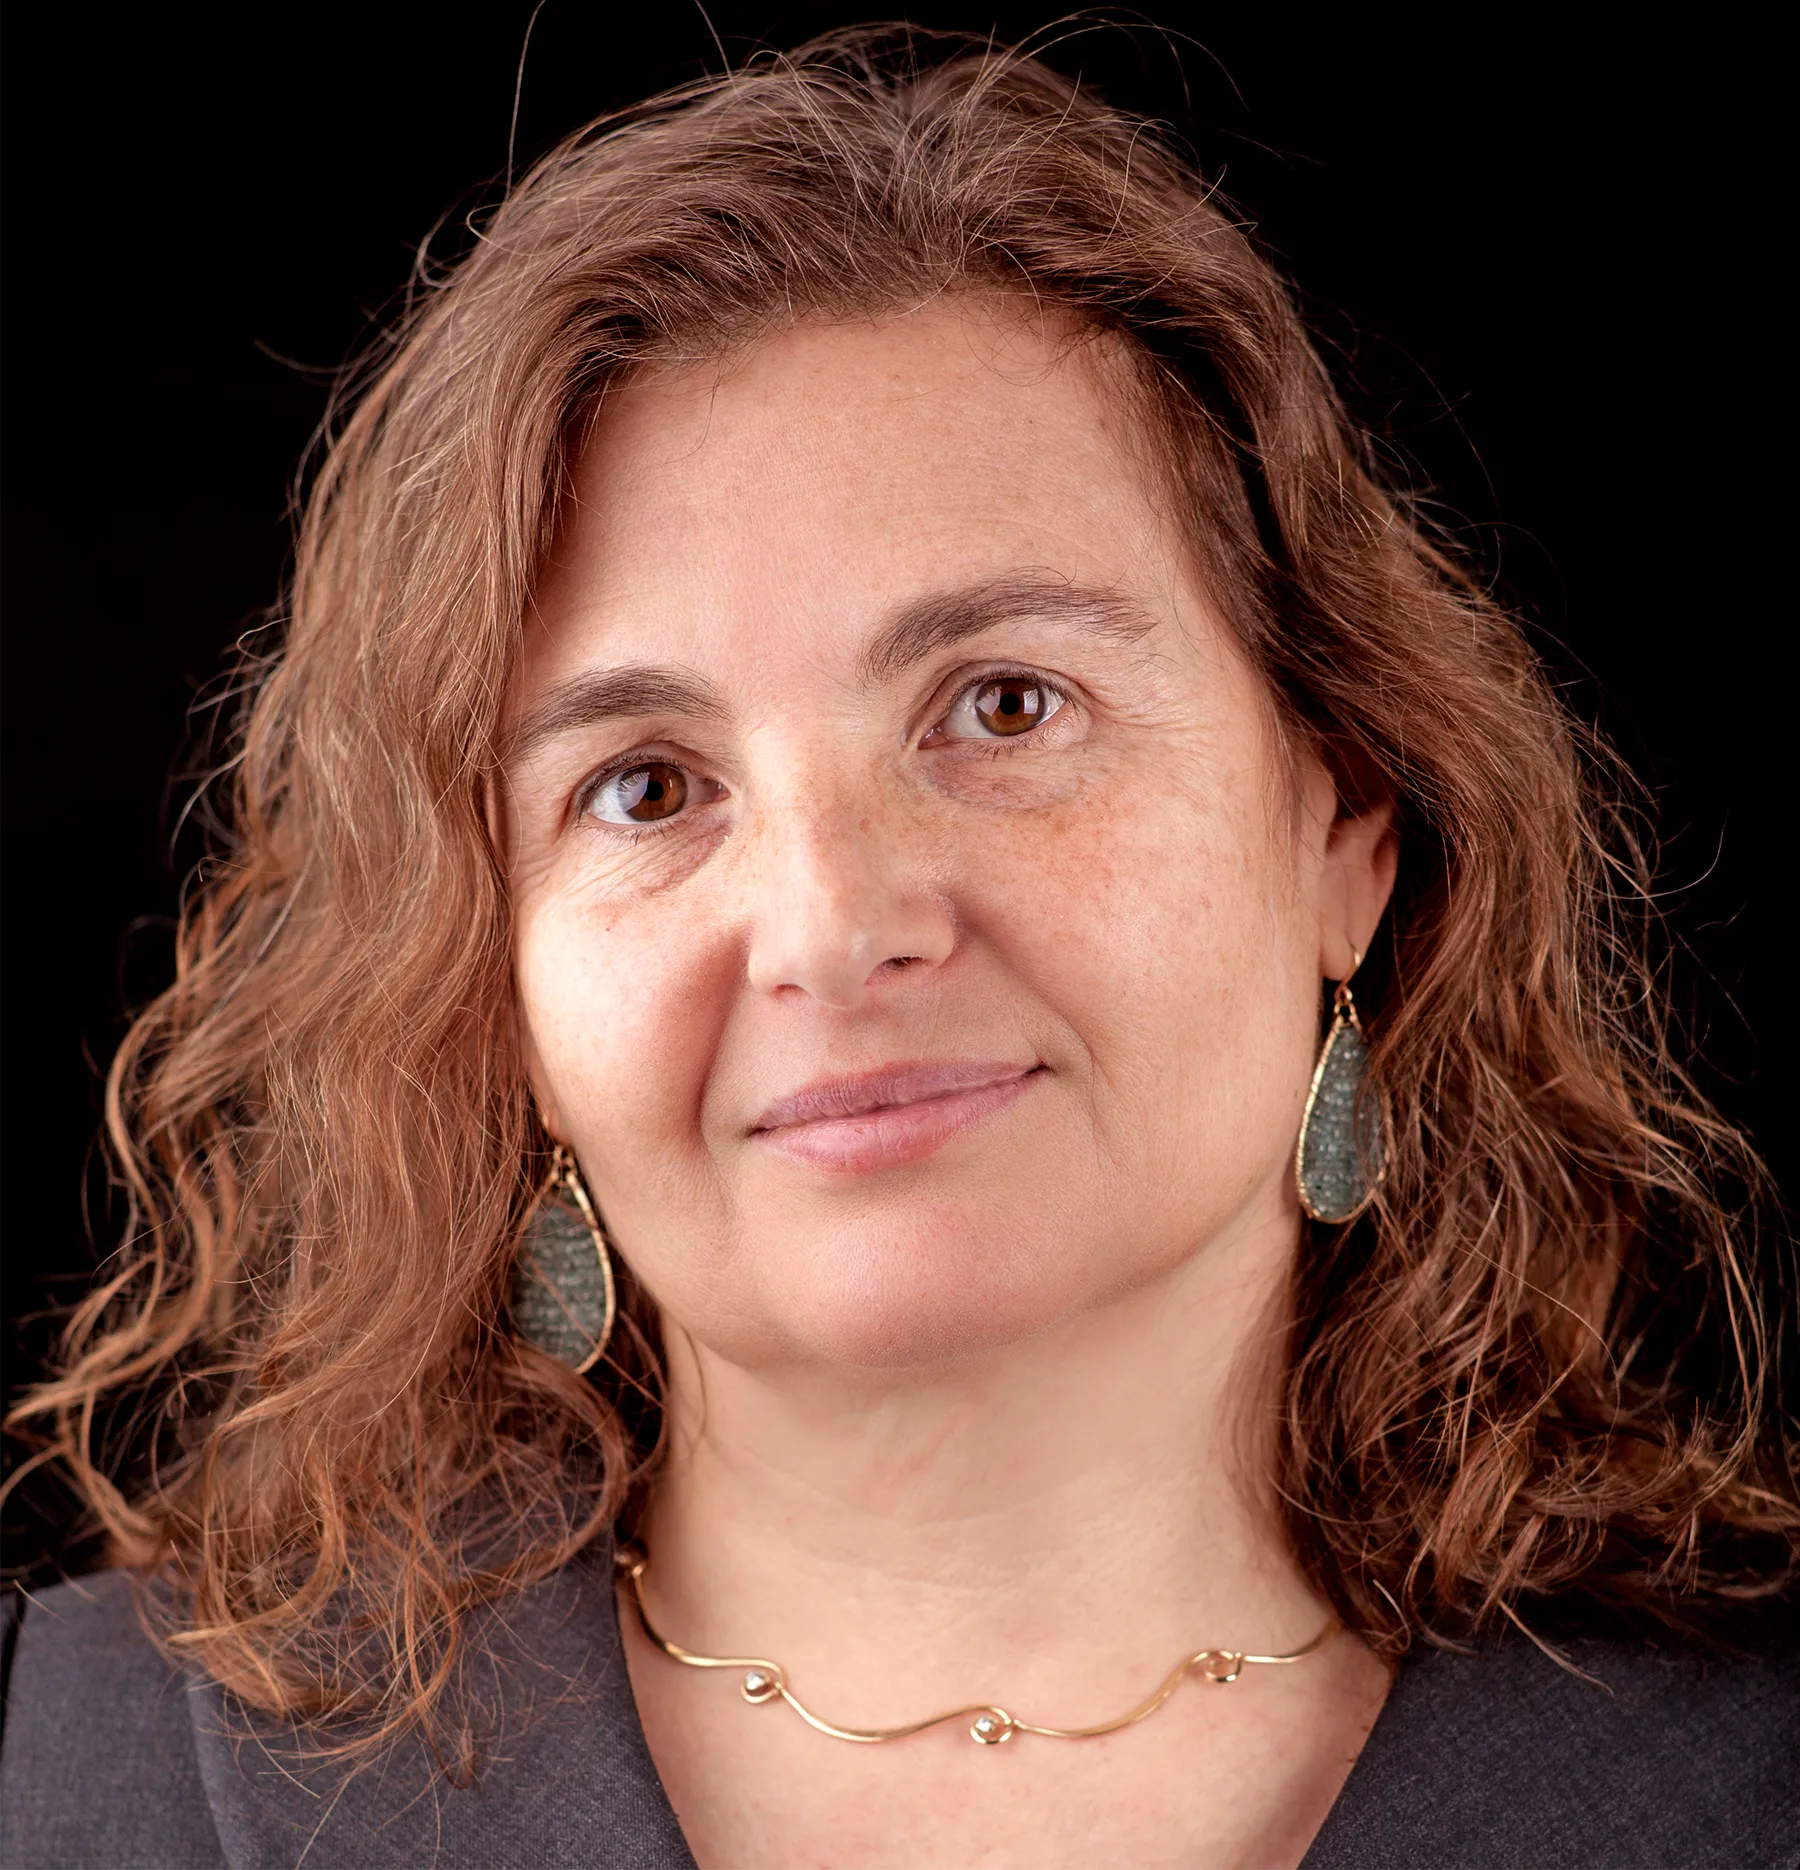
<point>927,1288</point>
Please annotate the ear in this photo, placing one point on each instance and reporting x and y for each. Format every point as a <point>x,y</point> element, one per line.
<point>1362,854</point>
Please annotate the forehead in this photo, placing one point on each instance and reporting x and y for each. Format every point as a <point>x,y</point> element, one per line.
<point>833,472</point>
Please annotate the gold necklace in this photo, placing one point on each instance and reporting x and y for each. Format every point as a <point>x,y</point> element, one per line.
<point>767,1681</point>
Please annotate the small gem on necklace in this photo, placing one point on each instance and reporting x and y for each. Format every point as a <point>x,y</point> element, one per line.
<point>759,1685</point>
<point>990,1729</point>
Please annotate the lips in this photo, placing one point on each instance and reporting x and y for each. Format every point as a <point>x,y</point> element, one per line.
<point>887,1118</point>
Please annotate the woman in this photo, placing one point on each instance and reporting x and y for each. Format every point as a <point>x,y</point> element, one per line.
<point>914,1125</point>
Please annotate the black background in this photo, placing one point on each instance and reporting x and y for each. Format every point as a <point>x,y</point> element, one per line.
<point>1542,258</point>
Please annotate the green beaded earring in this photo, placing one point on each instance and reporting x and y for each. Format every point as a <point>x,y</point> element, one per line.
<point>563,1298</point>
<point>1340,1158</point>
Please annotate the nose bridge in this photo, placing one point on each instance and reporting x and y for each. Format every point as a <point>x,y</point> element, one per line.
<point>837,889</point>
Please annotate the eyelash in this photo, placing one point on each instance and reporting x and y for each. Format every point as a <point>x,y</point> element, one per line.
<point>1006,672</point>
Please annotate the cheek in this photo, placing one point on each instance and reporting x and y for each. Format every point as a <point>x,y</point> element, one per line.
<point>1169,930</point>
<point>616,1010</point>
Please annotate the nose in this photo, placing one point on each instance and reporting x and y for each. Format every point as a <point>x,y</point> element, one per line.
<point>839,904</point>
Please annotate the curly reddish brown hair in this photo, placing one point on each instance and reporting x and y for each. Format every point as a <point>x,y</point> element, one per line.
<point>1536,1373</point>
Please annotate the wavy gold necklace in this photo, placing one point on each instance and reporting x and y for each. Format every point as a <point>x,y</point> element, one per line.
<point>767,1681</point>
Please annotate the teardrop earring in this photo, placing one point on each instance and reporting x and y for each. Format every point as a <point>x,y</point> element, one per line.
<point>563,1297</point>
<point>1339,1160</point>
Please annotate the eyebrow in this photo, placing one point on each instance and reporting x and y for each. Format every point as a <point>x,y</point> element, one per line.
<point>946,618</point>
<point>609,694</point>
<point>919,629</point>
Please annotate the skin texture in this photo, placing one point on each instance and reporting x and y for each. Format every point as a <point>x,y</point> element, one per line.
<point>967,1399</point>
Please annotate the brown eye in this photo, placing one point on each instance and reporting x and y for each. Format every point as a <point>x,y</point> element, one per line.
<point>1003,708</point>
<point>641,794</point>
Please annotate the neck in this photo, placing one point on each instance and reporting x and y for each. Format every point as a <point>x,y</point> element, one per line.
<point>1061,1518</point>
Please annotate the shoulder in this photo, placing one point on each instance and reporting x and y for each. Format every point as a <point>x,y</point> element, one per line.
<point>1643,1758</point>
<point>98,1763</point>
<point>112,1755</point>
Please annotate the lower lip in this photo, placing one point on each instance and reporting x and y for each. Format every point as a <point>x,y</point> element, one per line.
<point>891,1138</point>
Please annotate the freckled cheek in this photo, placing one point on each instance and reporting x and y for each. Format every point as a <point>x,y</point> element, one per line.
<point>1151,923</point>
<point>1135,881</point>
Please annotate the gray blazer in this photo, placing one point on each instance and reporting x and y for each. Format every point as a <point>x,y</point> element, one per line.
<point>114,1760</point>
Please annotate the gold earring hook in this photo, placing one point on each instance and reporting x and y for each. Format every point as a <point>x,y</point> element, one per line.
<point>1343,1001</point>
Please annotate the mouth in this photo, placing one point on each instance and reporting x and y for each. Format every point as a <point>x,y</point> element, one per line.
<point>887,1118</point>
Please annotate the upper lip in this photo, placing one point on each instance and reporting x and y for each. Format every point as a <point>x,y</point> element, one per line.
<point>856,1094</point>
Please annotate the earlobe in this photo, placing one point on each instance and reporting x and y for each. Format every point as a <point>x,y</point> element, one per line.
<point>1362,858</point>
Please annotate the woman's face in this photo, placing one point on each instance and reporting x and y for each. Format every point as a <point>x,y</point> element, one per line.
<point>919,925</point>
